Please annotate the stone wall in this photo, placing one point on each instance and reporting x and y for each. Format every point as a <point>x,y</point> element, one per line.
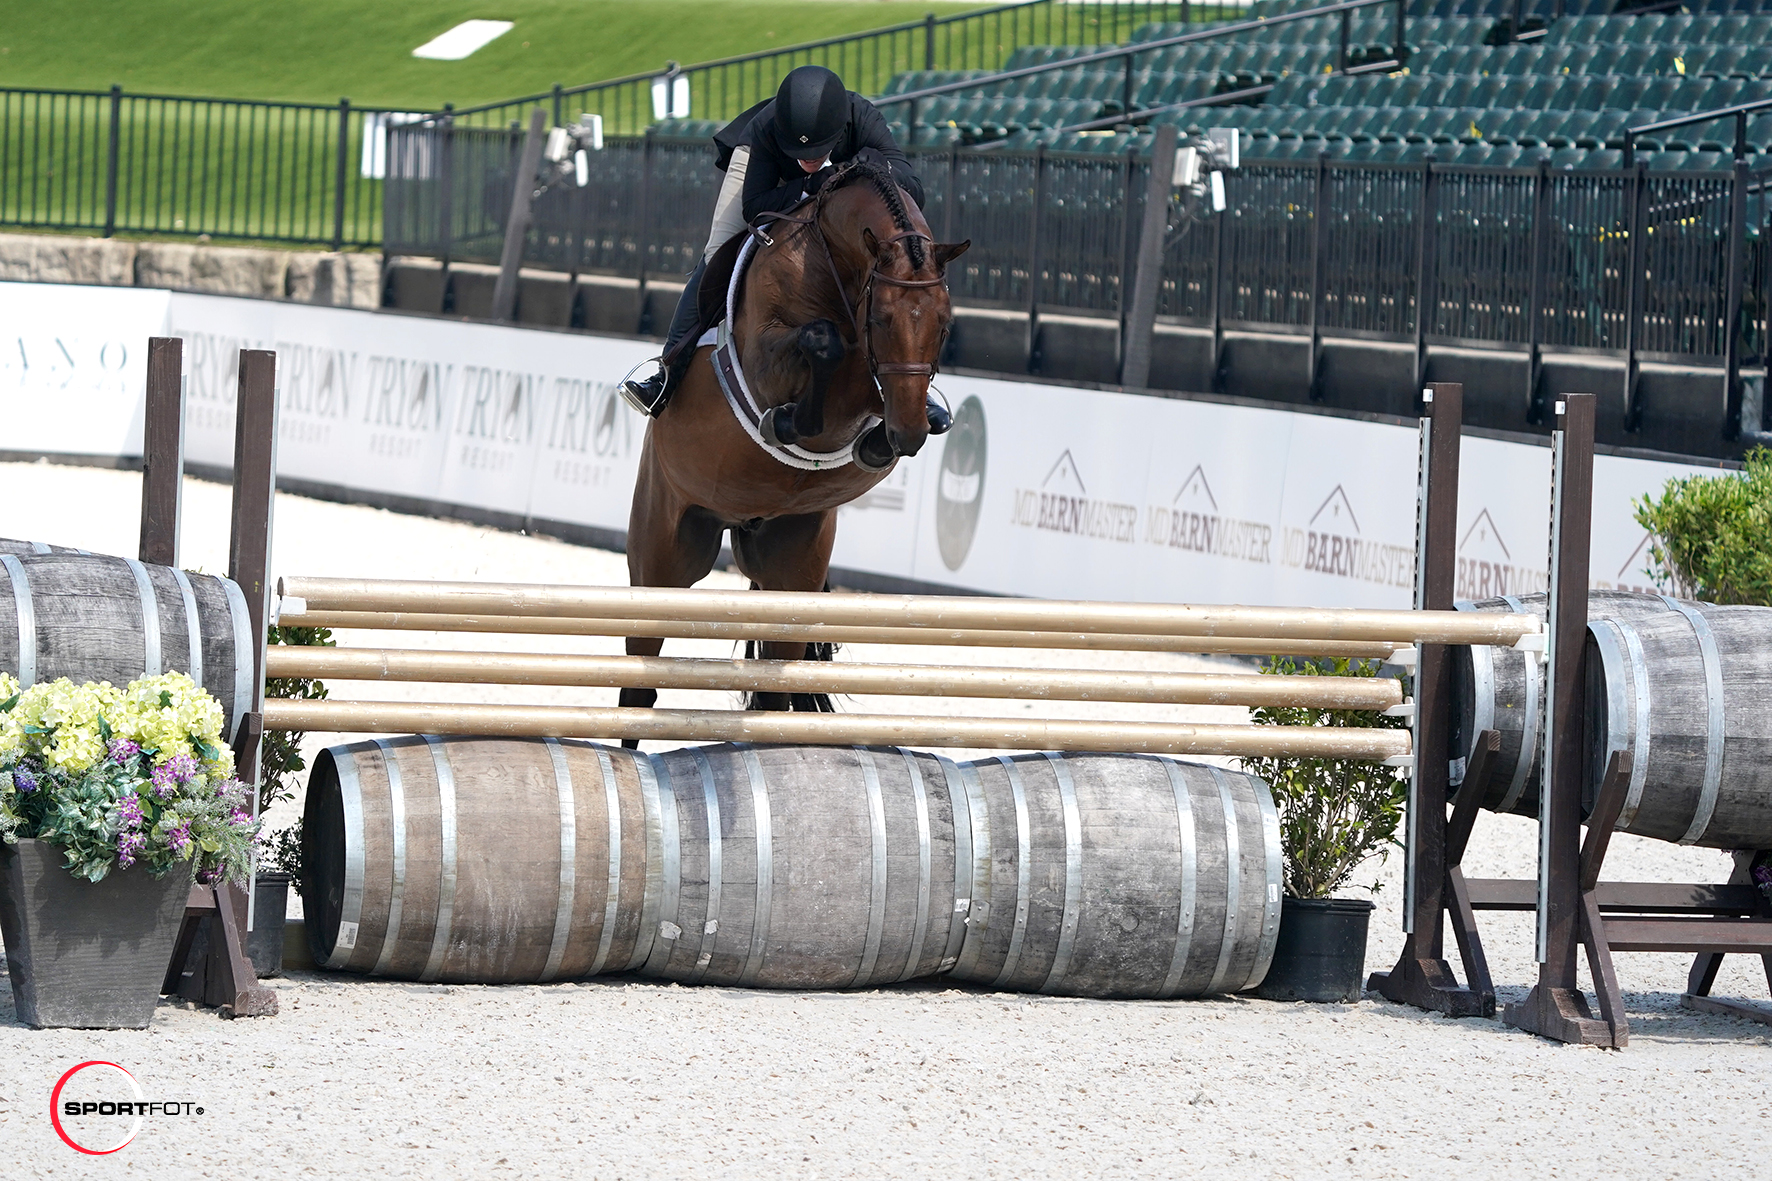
<point>319,277</point>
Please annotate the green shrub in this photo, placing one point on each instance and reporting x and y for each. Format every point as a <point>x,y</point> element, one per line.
<point>1334,813</point>
<point>1711,536</point>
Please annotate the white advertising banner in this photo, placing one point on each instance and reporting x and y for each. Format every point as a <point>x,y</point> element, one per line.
<point>1039,490</point>
<point>73,363</point>
<point>504,419</point>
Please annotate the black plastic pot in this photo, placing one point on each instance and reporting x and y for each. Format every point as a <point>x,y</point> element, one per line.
<point>1321,952</point>
<point>264,945</point>
<point>86,955</point>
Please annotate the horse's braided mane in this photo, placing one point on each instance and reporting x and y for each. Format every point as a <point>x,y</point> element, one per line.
<point>859,170</point>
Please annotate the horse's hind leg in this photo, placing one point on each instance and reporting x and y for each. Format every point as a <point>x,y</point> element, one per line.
<point>788,553</point>
<point>669,544</point>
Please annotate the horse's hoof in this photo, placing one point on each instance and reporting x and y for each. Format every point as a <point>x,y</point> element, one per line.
<point>873,451</point>
<point>939,418</point>
<point>777,427</point>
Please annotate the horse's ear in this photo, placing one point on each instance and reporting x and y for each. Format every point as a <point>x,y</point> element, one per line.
<point>946,252</point>
<point>872,243</point>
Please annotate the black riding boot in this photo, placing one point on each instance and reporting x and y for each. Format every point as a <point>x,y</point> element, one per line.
<point>651,394</point>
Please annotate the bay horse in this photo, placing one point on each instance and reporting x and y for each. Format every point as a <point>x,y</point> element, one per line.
<point>837,330</point>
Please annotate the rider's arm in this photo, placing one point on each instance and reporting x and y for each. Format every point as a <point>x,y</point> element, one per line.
<point>767,187</point>
<point>873,133</point>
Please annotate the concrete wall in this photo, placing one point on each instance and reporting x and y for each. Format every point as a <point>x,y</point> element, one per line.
<point>321,277</point>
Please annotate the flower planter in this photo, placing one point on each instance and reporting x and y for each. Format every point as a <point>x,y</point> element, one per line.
<point>1321,951</point>
<point>264,944</point>
<point>86,955</point>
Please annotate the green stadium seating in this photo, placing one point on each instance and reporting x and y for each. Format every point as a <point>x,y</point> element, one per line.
<point>1566,98</point>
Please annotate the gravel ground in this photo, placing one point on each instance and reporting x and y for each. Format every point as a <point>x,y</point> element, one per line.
<point>619,1078</point>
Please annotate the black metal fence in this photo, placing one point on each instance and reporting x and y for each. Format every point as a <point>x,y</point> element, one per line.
<point>107,161</point>
<point>719,90</point>
<point>1535,256</point>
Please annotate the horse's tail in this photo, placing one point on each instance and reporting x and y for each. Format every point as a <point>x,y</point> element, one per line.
<point>806,703</point>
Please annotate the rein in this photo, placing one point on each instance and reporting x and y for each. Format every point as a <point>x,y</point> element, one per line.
<point>863,336</point>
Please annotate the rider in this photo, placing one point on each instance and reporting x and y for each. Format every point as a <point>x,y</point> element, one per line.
<point>776,155</point>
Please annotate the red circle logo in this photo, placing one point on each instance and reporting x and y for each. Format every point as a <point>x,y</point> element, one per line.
<point>55,1105</point>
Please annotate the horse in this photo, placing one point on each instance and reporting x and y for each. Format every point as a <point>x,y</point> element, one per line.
<point>838,330</point>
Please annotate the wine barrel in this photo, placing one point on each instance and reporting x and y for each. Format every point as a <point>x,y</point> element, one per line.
<point>1686,694</point>
<point>787,867</point>
<point>9,545</point>
<point>1503,689</point>
<point>89,617</point>
<point>774,867</point>
<point>1119,875</point>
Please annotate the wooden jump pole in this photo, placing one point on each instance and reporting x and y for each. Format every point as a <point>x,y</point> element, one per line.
<point>915,611</point>
<point>818,729</point>
<point>828,633</point>
<point>811,676</point>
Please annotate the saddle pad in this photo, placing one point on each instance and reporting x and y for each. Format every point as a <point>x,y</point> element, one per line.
<point>729,371</point>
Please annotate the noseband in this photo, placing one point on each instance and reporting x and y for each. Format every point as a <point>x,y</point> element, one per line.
<point>865,336</point>
<point>875,365</point>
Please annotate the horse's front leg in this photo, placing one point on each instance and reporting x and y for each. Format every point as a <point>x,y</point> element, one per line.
<point>669,544</point>
<point>821,345</point>
<point>788,553</point>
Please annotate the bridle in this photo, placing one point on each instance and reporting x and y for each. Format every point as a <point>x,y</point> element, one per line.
<point>864,336</point>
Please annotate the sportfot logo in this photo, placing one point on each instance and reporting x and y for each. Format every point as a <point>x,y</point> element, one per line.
<point>97,1108</point>
<point>960,490</point>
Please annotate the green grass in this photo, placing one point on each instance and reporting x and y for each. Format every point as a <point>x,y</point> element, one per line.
<point>321,50</point>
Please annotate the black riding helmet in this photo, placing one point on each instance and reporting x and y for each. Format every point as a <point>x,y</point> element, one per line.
<point>811,111</point>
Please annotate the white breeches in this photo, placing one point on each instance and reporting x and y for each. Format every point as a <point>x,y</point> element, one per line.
<point>729,206</point>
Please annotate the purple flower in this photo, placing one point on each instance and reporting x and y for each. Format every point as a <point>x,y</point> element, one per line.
<point>208,877</point>
<point>24,780</point>
<point>128,845</point>
<point>122,750</point>
<point>240,818</point>
<point>183,767</point>
<point>179,838</point>
<point>165,781</point>
<point>129,812</point>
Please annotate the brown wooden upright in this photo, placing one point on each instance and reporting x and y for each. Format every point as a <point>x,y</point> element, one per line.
<point>1556,1007</point>
<point>1422,976</point>
<point>163,451</point>
<point>209,963</point>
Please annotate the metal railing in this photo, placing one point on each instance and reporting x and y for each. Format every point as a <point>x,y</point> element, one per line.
<point>111,162</point>
<point>1125,59</point>
<point>307,173</point>
<point>719,90</point>
<point>1534,258</point>
<point>1738,114</point>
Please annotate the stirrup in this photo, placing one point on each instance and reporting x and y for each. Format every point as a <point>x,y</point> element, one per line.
<point>627,385</point>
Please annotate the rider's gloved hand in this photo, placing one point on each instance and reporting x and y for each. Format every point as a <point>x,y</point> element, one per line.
<point>816,181</point>
<point>873,156</point>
